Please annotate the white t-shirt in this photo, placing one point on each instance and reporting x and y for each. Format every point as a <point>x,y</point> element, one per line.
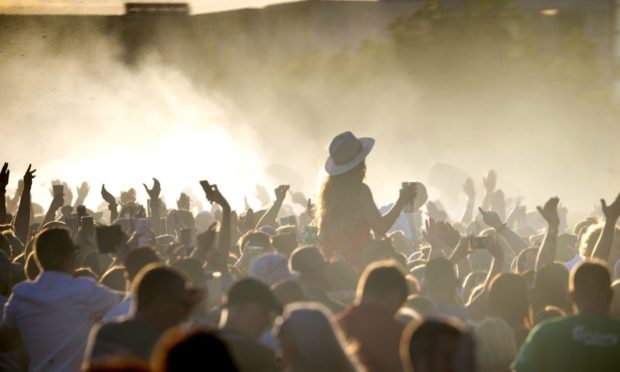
<point>54,315</point>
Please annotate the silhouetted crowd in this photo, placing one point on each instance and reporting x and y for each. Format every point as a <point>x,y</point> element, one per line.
<point>338,284</point>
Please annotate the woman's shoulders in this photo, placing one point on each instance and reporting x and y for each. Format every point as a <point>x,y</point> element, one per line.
<point>365,190</point>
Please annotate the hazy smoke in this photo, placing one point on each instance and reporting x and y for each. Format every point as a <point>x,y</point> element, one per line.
<point>73,107</point>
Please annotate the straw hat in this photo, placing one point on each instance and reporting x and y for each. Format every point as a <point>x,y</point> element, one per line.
<point>346,152</point>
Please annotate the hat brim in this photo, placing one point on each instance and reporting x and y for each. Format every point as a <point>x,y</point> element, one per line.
<point>334,169</point>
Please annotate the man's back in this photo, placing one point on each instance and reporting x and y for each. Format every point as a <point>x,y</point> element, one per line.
<point>377,333</point>
<point>572,343</point>
<point>132,337</point>
<point>248,354</point>
<point>54,315</point>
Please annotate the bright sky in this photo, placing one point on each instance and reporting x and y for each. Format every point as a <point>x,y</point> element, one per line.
<point>117,7</point>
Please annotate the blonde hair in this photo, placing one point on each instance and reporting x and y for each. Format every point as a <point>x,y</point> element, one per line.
<point>591,235</point>
<point>339,205</point>
<point>315,340</point>
<point>495,345</point>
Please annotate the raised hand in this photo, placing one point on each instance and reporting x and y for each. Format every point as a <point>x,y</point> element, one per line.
<point>490,181</point>
<point>515,214</point>
<point>432,233</point>
<point>298,198</point>
<point>262,195</point>
<point>83,190</point>
<point>128,196</point>
<point>68,193</point>
<point>491,218</point>
<point>449,235</point>
<point>550,212</point>
<point>4,176</point>
<point>28,177</point>
<point>109,198</point>
<point>468,189</point>
<point>434,212</point>
<point>611,211</point>
<point>154,191</point>
<point>280,192</point>
<point>213,194</point>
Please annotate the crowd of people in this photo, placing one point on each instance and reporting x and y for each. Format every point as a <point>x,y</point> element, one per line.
<point>341,285</point>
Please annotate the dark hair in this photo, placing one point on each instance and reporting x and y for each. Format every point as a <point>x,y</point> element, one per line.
<point>192,268</point>
<point>186,352</point>
<point>139,258</point>
<point>551,287</point>
<point>421,341</point>
<point>306,260</point>
<point>421,305</point>
<point>85,272</point>
<point>288,291</point>
<point>154,283</point>
<point>285,242</point>
<point>5,246</point>
<point>114,278</point>
<point>31,269</point>
<point>382,278</point>
<point>254,238</point>
<point>549,312</point>
<point>591,280</point>
<point>440,275</point>
<point>509,300</point>
<point>52,247</point>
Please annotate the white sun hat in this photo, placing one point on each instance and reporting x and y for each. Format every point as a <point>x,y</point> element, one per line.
<point>346,152</point>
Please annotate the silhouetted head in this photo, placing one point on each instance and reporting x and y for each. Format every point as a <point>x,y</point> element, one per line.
<point>436,345</point>
<point>383,283</point>
<point>509,299</point>
<point>249,308</point>
<point>162,296</point>
<point>180,351</point>
<point>440,279</point>
<point>55,251</point>
<point>590,288</point>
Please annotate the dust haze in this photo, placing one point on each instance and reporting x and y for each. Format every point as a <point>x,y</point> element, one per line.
<point>228,104</point>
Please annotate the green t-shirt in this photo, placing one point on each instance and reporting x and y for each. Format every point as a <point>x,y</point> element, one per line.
<point>572,343</point>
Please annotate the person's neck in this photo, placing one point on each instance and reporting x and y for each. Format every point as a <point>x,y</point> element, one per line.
<point>593,310</point>
<point>236,328</point>
<point>60,271</point>
<point>376,302</point>
<point>443,297</point>
<point>153,319</point>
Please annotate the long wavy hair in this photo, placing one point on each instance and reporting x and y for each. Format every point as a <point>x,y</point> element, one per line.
<point>339,207</point>
<point>314,340</point>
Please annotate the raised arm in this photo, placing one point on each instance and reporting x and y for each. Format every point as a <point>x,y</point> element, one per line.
<point>269,218</point>
<point>546,252</point>
<point>603,246</point>
<point>470,191</point>
<point>223,245</point>
<point>4,181</point>
<point>477,306</point>
<point>511,238</point>
<point>22,218</point>
<point>381,224</point>
<point>112,205</point>
<point>57,202</point>
<point>82,193</point>
<point>155,206</point>
<point>489,182</point>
